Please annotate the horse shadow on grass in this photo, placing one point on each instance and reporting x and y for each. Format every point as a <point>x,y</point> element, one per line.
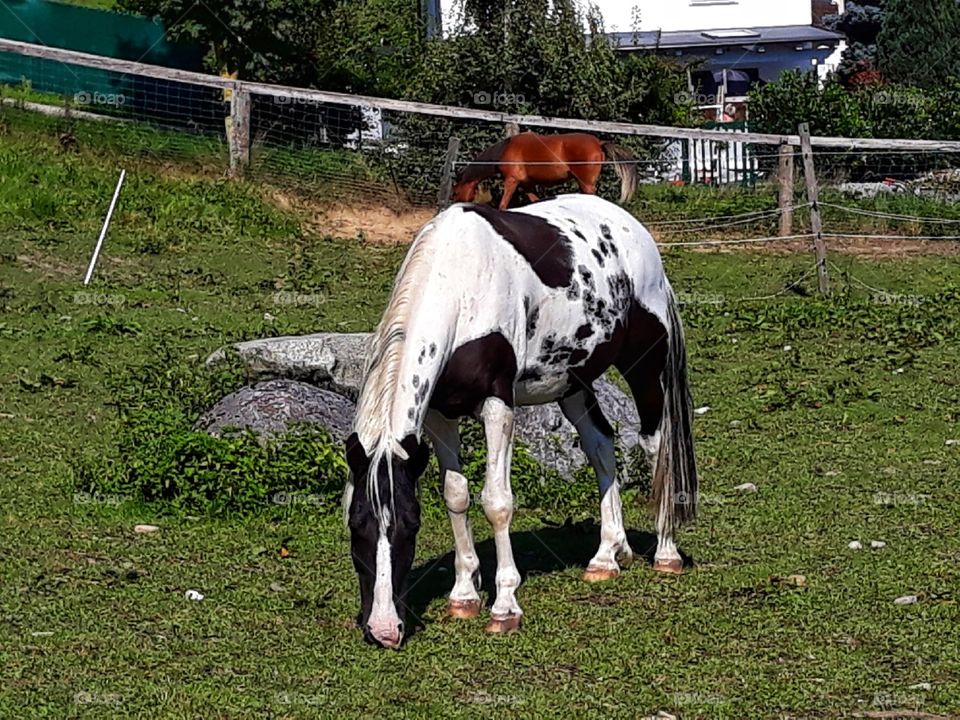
<point>537,552</point>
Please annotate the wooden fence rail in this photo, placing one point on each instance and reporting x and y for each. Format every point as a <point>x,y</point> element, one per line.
<point>613,128</point>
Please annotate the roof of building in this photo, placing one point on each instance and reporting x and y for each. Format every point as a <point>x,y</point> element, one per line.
<point>650,40</point>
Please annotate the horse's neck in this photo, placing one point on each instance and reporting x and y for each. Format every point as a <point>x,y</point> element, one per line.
<point>424,357</point>
<point>395,401</point>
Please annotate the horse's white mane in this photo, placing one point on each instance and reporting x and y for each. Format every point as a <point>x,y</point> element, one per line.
<point>375,406</point>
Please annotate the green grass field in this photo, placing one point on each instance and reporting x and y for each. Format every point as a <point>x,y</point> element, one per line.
<point>839,411</point>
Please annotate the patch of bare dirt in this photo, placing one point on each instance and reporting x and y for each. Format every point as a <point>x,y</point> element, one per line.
<point>379,225</point>
<point>49,265</point>
<point>387,221</point>
<point>394,222</point>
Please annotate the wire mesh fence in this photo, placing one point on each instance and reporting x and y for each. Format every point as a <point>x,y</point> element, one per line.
<point>699,188</point>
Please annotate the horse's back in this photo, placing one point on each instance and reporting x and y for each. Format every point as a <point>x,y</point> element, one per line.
<point>560,149</point>
<point>616,285</point>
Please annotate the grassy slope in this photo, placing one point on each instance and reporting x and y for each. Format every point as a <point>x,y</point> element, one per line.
<point>821,429</point>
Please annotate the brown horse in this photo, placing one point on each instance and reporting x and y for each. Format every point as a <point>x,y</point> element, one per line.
<point>528,160</point>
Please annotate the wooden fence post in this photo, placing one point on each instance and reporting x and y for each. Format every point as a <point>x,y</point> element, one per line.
<point>786,176</point>
<point>239,135</point>
<point>816,222</point>
<point>449,172</point>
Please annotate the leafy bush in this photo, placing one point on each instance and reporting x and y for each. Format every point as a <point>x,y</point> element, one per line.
<point>798,97</point>
<point>158,457</point>
<point>880,110</point>
<point>161,459</point>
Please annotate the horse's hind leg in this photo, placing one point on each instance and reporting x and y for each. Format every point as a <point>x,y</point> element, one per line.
<point>464,599</point>
<point>510,185</point>
<point>643,377</point>
<point>596,439</point>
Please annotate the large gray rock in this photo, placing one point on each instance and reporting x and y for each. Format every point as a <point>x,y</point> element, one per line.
<point>335,361</point>
<point>329,360</point>
<point>273,407</point>
<point>554,442</point>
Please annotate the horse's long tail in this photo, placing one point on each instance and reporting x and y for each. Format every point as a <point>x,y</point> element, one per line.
<point>625,165</point>
<point>675,477</point>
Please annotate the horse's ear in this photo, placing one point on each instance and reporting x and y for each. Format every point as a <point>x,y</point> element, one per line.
<point>357,459</point>
<point>418,453</point>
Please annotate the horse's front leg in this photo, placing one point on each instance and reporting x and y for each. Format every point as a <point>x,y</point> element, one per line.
<point>464,599</point>
<point>497,500</point>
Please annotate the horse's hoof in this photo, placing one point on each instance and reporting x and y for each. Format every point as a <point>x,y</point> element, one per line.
<point>592,574</point>
<point>673,566</point>
<point>500,626</point>
<point>463,609</point>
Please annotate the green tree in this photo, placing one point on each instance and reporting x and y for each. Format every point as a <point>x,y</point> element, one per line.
<point>372,47</point>
<point>269,40</point>
<point>861,22</point>
<point>533,56</point>
<point>920,42</point>
<point>363,46</point>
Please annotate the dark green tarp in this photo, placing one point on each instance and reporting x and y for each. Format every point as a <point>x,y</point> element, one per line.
<point>111,34</point>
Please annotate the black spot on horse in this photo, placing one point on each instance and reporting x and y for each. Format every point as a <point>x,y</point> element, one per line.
<point>587,276</point>
<point>423,353</point>
<point>416,381</point>
<point>573,292</point>
<point>433,349</point>
<point>598,256</point>
<point>579,234</point>
<point>605,248</point>
<point>605,231</point>
<point>613,248</point>
<point>411,413</point>
<point>477,370</point>
<point>532,319</point>
<point>590,303</point>
<point>530,374</point>
<point>584,331</point>
<point>621,291</point>
<point>542,245</point>
<point>578,356</point>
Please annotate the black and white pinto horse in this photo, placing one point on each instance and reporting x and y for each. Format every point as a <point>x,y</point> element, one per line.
<point>492,310</point>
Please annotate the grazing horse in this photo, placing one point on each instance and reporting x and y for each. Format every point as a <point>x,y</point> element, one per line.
<point>492,310</point>
<point>528,160</point>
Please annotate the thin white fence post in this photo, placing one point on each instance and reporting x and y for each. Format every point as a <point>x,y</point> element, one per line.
<point>103,230</point>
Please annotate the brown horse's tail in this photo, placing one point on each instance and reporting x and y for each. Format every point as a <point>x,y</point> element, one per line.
<point>625,164</point>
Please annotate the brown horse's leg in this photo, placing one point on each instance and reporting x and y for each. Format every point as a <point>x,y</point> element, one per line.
<point>509,188</point>
<point>588,179</point>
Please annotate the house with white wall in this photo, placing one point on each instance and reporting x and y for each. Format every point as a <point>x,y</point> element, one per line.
<point>734,43</point>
